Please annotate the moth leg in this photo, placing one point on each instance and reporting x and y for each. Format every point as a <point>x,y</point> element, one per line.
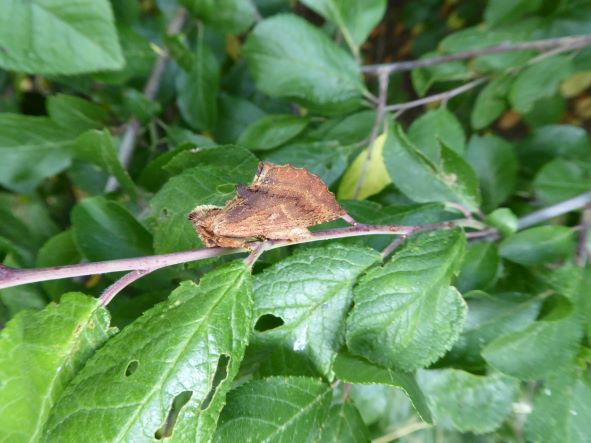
<point>292,234</point>
<point>351,220</point>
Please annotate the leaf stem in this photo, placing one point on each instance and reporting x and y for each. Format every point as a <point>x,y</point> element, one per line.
<point>571,42</point>
<point>132,127</point>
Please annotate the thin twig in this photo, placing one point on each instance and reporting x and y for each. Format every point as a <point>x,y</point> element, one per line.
<point>447,95</point>
<point>383,80</point>
<point>392,246</point>
<point>121,284</point>
<point>132,128</point>
<point>572,204</point>
<point>572,42</point>
<point>582,246</point>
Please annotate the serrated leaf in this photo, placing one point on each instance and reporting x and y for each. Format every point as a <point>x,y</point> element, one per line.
<point>376,176</point>
<point>538,81</point>
<point>105,229</point>
<point>491,102</point>
<point>470,403</point>
<point>406,315</point>
<point>434,128</point>
<point>560,180</point>
<point>272,131</point>
<point>355,370</point>
<point>32,148</point>
<point>290,58</point>
<point>226,15</point>
<point>344,425</point>
<point>311,291</point>
<point>44,37</point>
<point>539,245</point>
<point>73,112</point>
<point>562,409</point>
<point>495,164</point>
<point>97,147</point>
<point>40,352</point>
<point>287,409</point>
<point>355,18</point>
<point>423,181</point>
<point>188,348</point>
<point>539,349</point>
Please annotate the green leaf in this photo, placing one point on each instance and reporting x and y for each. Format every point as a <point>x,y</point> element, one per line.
<point>344,425</point>
<point>495,164</point>
<point>424,78</point>
<point>271,131</point>
<point>97,147</point>
<point>59,250</point>
<point>405,314</point>
<point>311,292</point>
<point>561,409</point>
<point>535,246</point>
<point>501,11</point>
<point>197,89</point>
<point>539,81</point>
<point>58,37</point>
<point>376,176</point>
<point>539,349</point>
<point>291,59</point>
<point>504,220</point>
<point>32,148</point>
<point>105,229</point>
<point>287,409</point>
<point>479,268</point>
<point>488,318</point>
<point>348,130</point>
<point>355,370</point>
<point>40,352</point>
<point>491,102</point>
<point>181,354</point>
<point>552,141</point>
<point>560,180</point>
<point>235,114</point>
<point>434,128</point>
<point>76,113</point>
<point>226,15</point>
<point>423,181</point>
<point>141,106</point>
<point>470,403</point>
<point>355,18</point>
<point>327,159</point>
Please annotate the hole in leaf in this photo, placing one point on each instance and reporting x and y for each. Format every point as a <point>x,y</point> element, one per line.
<point>178,402</point>
<point>267,322</point>
<point>131,367</point>
<point>221,371</point>
<point>226,188</point>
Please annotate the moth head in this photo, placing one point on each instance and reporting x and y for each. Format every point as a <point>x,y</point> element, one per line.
<point>202,215</point>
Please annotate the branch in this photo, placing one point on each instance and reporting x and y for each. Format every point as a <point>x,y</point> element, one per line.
<point>132,128</point>
<point>572,204</point>
<point>582,249</point>
<point>571,42</point>
<point>447,95</point>
<point>10,277</point>
<point>383,80</point>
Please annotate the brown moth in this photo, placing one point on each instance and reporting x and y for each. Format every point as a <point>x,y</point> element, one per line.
<point>280,204</point>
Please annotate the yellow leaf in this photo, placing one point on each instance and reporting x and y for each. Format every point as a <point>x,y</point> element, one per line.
<point>376,178</point>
